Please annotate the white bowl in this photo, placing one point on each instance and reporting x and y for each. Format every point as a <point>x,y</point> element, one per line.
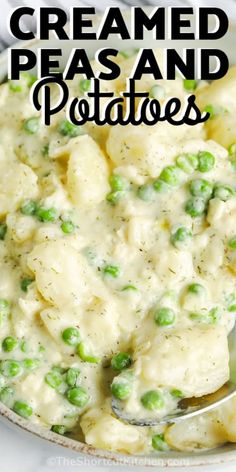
<point>223,454</point>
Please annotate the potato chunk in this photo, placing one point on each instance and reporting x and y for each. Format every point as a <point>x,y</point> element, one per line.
<point>17,183</point>
<point>206,431</point>
<point>173,266</point>
<point>62,275</point>
<point>94,322</point>
<point>149,148</point>
<point>104,431</point>
<point>195,361</point>
<point>87,175</point>
<point>201,432</point>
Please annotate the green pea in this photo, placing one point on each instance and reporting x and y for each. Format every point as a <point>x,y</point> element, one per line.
<point>67,227</point>
<point>232,243</point>
<point>181,235</point>
<point>30,79</point>
<point>203,317</point>
<point>32,125</point>
<point>121,361</point>
<point>210,109</point>
<point>171,175</point>
<point>29,207</point>
<point>58,428</point>
<point>157,92</point>
<point>121,390</point>
<point>11,368</point>
<point>160,186</point>
<point>3,231</point>
<point>146,193</point>
<point>196,289</point>
<point>190,84</point>
<point>114,197</point>
<point>211,317</point>
<point>53,379</point>
<point>78,396</point>
<point>206,161</point>
<point>26,80</point>
<point>46,214</point>
<point>187,162</point>
<point>159,444</point>
<point>22,409</point>
<point>223,192</point>
<point>129,288</point>
<point>112,271</point>
<point>201,188</point>
<point>66,128</point>
<point>84,85</point>
<point>72,376</point>
<point>85,356</point>
<point>195,206</point>
<point>232,308</point>
<point>7,396</point>
<point>9,344</point>
<point>232,154</point>
<point>153,400</point>
<point>24,346</point>
<point>31,364</point>
<point>25,283</point>
<point>176,393</point>
<point>4,307</point>
<point>118,182</point>
<point>232,149</point>
<point>164,316</point>
<point>15,86</point>
<point>71,336</point>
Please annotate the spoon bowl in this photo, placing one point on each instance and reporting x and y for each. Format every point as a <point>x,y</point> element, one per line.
<point>189,407</point>
<point>186,408</point>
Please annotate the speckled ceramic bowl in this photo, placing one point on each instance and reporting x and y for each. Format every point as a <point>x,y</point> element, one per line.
<point>223,454</point>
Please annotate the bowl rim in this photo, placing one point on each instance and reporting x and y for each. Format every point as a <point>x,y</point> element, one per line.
<point>105,457</point>
<point>178,459</point>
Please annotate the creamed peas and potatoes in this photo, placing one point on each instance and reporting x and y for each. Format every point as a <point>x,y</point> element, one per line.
<point>118,266</point>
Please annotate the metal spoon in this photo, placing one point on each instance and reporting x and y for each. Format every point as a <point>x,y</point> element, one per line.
<point>189,407</point>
